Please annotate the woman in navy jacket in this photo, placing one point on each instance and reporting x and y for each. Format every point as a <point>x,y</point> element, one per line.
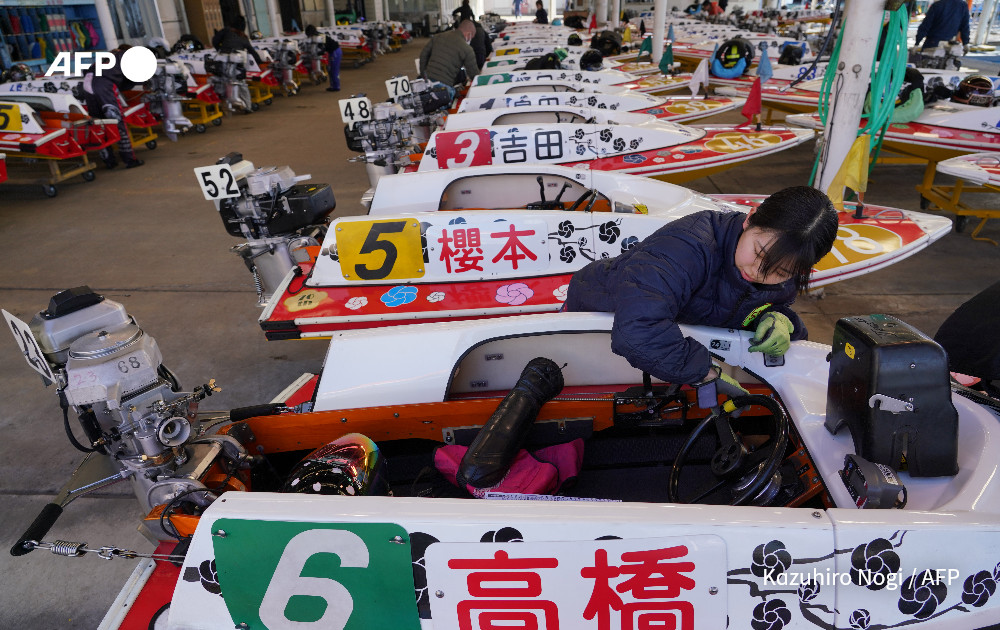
<point>731,270</point>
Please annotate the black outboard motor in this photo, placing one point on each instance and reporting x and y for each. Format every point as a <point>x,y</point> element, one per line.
<point>496,445</point>
<point>889,383</point>
<point>278,216</point>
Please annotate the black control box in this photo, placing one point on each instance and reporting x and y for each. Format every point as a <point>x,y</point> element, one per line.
<point>889,383</point>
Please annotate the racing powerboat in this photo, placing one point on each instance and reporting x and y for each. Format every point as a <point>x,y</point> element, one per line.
<point>34,136</point>
<point>136,114</point>
<point>516,81</point>
<point>496,241</point>
<point>801,98</point>
<point>978,168</point>
<point>944,130</point>
<point>393,135</point>
<point>457,475</point>
<point>673,108</point>
<point>64,110</point>
<point>657,149</point>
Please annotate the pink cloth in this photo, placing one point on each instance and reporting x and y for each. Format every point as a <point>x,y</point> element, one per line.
<point>543,472</point>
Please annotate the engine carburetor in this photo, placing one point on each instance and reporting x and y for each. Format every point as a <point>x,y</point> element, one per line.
<point>111,373</point>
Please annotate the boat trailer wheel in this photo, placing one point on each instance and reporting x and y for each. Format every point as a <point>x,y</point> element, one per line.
<point>748,475</point>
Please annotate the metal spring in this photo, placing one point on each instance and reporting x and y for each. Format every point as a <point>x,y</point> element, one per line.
<point>258,284</point>
<point>67,548</point>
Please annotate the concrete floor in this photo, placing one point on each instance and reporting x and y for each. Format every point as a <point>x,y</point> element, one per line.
<point>147,238</point>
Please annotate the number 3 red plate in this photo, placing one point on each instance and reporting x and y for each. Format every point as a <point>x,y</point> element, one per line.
<point>458,149</point>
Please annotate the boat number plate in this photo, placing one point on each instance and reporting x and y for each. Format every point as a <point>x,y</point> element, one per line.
<point>10,117</point>
<point>670,582</point>
<point>283,575</point>
<point>29,347</point>
<point>379,250</point>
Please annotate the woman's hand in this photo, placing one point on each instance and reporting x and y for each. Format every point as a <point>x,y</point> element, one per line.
<point>773,335</point>
<point>717,382</point>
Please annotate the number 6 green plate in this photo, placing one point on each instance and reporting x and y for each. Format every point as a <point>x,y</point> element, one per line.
<point>283,575</point>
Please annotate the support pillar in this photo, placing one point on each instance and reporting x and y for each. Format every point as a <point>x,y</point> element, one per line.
<point>985,20</point>
<point>659,29</point>
<point>863,23</point>
<point>274,16</point>
<point>107,26</point>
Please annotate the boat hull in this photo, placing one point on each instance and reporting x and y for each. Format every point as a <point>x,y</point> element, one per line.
<point>304,307</point>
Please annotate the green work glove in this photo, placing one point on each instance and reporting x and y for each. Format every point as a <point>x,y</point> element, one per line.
<point>715,383</point>
<point>773,336</point>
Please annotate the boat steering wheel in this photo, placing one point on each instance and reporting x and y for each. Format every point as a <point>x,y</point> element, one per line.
<point>579,201</point>
<point>749,475</point>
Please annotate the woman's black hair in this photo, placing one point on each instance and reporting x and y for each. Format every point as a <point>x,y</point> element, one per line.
<point>805,223</point>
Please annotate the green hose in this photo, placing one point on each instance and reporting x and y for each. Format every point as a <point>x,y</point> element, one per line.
<point>886,81</point>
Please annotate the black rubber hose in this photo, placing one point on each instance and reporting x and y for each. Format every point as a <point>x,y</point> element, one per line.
<point>38,528</point>
<point>242,413</point>
<point>496,445</point>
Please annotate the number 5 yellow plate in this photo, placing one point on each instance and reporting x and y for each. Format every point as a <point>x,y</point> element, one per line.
<point>380,250</point>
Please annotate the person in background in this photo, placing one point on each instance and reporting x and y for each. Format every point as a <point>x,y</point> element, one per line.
<point>333,57</point>
<point>541,15</point>
<point>233,38</point>
<point>103,99</point>
<point>709,8</point>
<point>481,45</point>
<point>443,58</point>
<point>463,12</point>
<point>710,268</point>
<point>517,8</point>
<point>944,20</point>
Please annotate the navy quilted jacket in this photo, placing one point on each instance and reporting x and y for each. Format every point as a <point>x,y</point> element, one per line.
<point>684,273</point>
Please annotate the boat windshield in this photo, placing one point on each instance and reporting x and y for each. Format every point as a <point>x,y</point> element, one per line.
<point>518,190</point>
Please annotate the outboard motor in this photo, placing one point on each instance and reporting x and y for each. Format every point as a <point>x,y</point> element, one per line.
<point>386,140</point>
<point>889,383</point>
<point>313,50</point>
<point>167,88</point>
<point>286,57</point>
<point>279,218</point>
<point>429,102</point>
<point>227,73</point>
<point>111,374</point>
<point>946,56</point>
